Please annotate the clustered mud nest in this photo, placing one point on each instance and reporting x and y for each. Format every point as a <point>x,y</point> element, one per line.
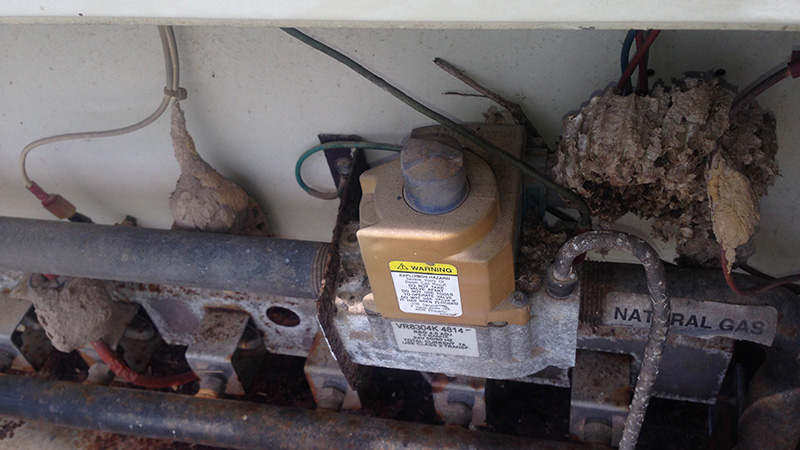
<point>649,155</point>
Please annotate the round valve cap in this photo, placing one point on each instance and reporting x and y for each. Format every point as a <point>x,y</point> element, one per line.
<point>435,177</point>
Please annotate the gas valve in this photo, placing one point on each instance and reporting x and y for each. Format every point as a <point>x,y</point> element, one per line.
<point>438,230</point>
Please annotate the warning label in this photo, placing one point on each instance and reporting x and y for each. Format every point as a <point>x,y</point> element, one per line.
<point>423,288</point>
<point>443,339</point>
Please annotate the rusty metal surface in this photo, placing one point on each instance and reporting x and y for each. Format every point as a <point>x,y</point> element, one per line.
<point>231,424</point>
<point>771,422</point>
<point>177,313</point>
<point>692,368</point>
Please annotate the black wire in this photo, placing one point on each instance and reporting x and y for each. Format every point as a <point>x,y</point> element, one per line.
<point>525,168</point>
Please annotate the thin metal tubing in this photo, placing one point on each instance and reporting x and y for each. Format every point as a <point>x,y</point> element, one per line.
<point>659,326</point>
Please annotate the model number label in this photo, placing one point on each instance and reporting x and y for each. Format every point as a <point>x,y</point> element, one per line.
<point>426,288</point>
<point>443,339</point>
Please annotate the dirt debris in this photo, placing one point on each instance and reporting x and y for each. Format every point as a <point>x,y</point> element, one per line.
<point>203,199</point>
<point>538,249</point>
<point>649,155</point>
<point>73,314</point>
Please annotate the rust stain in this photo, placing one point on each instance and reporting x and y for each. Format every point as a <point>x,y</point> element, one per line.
<point>439,382</point>
<point>7,428</point>
<point>620,396</point>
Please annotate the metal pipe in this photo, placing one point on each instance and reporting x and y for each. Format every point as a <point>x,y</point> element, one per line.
<point>230,424</point>
<point>205,260</point>
<point>561,280</point>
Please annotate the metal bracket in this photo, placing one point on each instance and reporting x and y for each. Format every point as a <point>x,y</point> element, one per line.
<point>328,384</point>
<point>213,355</point>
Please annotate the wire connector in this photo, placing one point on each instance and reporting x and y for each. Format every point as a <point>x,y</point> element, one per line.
<point>56,204</point>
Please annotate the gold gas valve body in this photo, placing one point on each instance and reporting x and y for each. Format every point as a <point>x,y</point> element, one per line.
<point>439,227</point>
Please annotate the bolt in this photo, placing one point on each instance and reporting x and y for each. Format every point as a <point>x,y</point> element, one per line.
<point>344,166</point>
<point>212,385</point>
<point>458,413</point>
<point>140,329</point>
<point>99,374</point>
<point>519,299</point>
<point>597,432</point>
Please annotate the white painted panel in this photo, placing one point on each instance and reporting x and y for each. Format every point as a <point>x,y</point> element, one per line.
<point>602,14</point>
<point>257,99</point>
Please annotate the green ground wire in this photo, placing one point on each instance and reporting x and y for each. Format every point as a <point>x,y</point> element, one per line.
<point>331,145</point>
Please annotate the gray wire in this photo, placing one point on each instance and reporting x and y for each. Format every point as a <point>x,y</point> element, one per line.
<point>171,90</point>
<point>562,271</point>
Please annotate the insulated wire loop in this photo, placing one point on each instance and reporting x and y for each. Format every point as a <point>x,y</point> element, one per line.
<point>525,168</point>
<point>171,90</point>
<point>332,145</point>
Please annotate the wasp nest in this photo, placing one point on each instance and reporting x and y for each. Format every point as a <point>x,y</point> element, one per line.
<point>649,155</point>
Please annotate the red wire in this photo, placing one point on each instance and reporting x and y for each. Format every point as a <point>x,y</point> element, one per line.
<point>126,373</point>
<point>755,289</point>
<point>640,52</point>
<point>641,85</point>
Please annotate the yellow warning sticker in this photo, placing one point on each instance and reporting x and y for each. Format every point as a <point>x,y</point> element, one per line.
<point>423,288</point>
<point>419,267</point>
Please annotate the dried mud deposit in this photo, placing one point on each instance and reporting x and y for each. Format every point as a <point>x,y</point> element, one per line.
<point>203,199</point>
<point>74,315</point>
<point>650,156</point>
